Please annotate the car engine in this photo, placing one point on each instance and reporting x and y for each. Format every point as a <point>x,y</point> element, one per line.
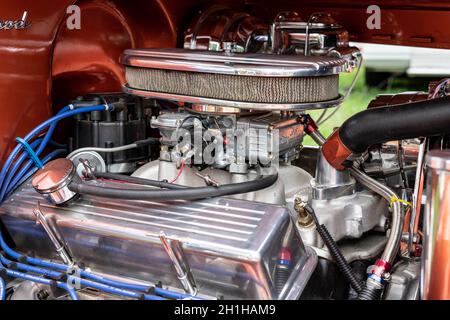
<point>194,183</point>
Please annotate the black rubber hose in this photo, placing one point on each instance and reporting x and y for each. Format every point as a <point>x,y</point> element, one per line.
<point>141,181</point>
<point>282,274</point>
<point>168,195</point>
<point>405,121</point>
<point>335,252</point>
<point>370,293</point>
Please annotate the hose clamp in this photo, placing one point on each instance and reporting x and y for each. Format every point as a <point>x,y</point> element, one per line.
<point>379,272</point>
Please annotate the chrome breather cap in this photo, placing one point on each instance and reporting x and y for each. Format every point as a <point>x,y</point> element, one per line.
<point>53,179</point>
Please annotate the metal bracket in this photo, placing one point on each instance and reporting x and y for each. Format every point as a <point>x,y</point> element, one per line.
<point>176,254</point>
<point>88,170</point>
<point>55,236</point>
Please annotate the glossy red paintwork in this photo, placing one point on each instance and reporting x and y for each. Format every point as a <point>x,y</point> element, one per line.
<point>87,60</point>
<point>439,286</point>
<point>47,64</point>
<point>25,63</point>
<point>424,23</point>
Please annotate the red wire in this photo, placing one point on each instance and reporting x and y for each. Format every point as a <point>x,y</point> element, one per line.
<point>179,172</point>
<point>112,180</point>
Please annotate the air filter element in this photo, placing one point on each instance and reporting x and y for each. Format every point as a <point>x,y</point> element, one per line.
<point>248,81</point>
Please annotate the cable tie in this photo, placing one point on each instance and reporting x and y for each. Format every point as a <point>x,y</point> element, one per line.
<point>31,153</point>
<point>395,199</point>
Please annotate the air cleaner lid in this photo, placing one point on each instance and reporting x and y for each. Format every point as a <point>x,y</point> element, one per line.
<point>245,64</point>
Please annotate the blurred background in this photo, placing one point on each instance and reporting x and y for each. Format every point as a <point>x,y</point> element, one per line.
<point>385,69</point>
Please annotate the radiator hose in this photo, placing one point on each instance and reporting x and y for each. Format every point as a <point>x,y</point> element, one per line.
<point>378,125</point>
<point>193,193</point>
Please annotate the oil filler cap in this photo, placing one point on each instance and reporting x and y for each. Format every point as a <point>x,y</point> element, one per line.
<point>53,179</point>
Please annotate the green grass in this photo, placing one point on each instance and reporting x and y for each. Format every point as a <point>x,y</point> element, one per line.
<point>356,102</point>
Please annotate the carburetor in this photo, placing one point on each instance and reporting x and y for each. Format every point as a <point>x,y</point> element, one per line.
<point>233,140</point>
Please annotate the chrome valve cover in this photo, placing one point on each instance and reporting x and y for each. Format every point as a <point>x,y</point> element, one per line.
<point>232,246</point>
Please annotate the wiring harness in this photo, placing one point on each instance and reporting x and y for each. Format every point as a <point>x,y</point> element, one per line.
<point>18,169</point>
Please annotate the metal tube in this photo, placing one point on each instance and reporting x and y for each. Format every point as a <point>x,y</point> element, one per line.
<point>436,250</point>
<point>106,150</point>
<point>415,210</point>
<point>317,137</point>
<point>393,242</point>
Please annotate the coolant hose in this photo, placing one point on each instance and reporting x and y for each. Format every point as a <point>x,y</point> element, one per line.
<point>178,194</point>
<point>378,125</point>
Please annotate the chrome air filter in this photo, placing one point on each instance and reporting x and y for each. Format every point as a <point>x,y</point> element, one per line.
<point>241,80</point>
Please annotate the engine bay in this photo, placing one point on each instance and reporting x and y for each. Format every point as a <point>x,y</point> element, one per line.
<point>193,181</point>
